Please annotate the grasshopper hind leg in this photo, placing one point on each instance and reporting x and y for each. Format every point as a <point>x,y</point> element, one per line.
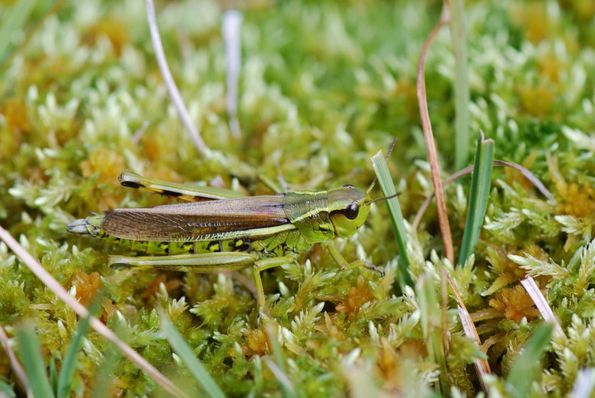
<point>185,192</point>
<point>205,263</point>
<point>197,262</point>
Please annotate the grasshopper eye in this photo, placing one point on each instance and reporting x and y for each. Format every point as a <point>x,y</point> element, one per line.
<point>351,211</point>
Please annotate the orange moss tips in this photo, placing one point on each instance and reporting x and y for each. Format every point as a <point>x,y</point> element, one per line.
<point>152,146</point>
<point>111,28</point>
<point>537,100</point>
<point>515,304</point>
<point>87,286</point>
<point>256,343</point>
<point>149,294</point>
<point>388,364</point>
<point>533,19</point>
<point>577,200</point>
<point>105,163</point>
<point>551,67</point>
<point>15,112</point>
<point>356,297</point>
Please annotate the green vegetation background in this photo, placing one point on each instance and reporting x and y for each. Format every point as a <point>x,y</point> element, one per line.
<point>324,85</point>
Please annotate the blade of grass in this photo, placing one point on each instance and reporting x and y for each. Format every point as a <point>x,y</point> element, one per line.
<point>388,189</point>
<point>431,323</point>
<point>14,363</point>
<point>281,376</point>
<point>53,374</point>
<point>457,33</point>
<point>431,150</point>
<point>185,353</point>
<point>478,196</point>
<point>103,381</point>
<point>527,366</point>
<point>6,390</point>
<point>69,363</point>
<point>52,284</point>
<point>12,23</point>
<point>33,361</point>
<point>278,366</point>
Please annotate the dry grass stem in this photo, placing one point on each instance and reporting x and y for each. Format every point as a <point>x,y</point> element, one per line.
<point>429,139</point>
<point>468,170</point>
<point>172,89</point>
<point>232,23</point>
<point>14,363</point>
<point>542,305</point>
<point>482,366</point>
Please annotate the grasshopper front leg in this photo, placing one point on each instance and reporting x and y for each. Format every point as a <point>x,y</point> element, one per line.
<point>208,262</point>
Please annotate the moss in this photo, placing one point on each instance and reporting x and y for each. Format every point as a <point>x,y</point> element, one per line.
<point>323,87</point>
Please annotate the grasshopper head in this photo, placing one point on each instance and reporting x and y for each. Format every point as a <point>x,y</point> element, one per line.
<point>348,208</point>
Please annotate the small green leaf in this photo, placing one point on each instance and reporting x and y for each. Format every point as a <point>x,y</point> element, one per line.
<point>431,322</point>
<point>527,366</point>
<point>69,364</point>
<point>7,390</point>
<point>396,216</point>
<point>33,361</point>
<point>12,23</point>
<point>278,366</point>
<point>185,353</point>
<point>478,196</point>
<point>457,33</point>
<point>104,378</point>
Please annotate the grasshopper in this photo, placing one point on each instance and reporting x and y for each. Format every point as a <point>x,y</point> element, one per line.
<point>220,230</point>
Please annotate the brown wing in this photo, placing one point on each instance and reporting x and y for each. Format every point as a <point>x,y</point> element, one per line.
<point>211,220</point>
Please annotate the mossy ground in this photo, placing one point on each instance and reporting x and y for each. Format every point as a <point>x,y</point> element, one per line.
<point>324,85</point>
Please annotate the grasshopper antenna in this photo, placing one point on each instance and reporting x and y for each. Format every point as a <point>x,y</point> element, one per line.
<point>385,197</point>
<point>388,153</point>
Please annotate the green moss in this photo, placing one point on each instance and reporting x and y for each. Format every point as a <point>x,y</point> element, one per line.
<point>324,86</point>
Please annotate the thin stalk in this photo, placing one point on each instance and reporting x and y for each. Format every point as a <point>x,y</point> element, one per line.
<point>231,29</point>
<point>482,367</point>
<point>33,361</point>
<point>431,322</point>
<point>429,139</point>
<point>542,305</point>
<point>172,89</point>
<point>468,170</point>
<point>396,216</point>
<point>15,364</point>
<point>526,366</point>
<point>478,197</point>
<point>278,365</point>
<point>200,373</point>
<point>459,43</point>
<point>70,359</point>
<point>52,284</point>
